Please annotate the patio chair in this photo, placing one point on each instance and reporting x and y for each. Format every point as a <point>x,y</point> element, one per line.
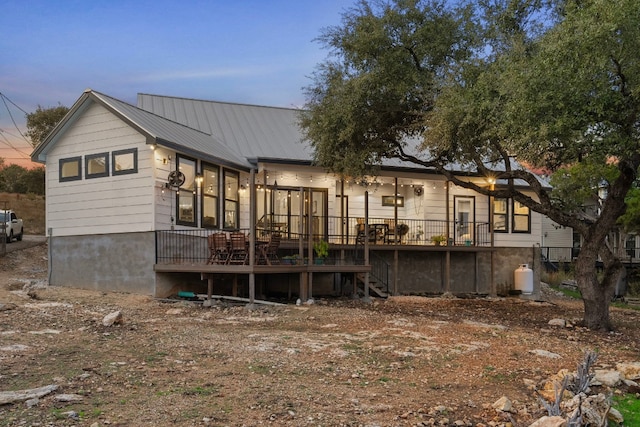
<point>238,253</point>
<point>218,249</point>
<point>270,250</point>
<point>390,234</point>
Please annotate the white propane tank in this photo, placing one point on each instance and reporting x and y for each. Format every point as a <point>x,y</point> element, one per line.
<point>523,278</point>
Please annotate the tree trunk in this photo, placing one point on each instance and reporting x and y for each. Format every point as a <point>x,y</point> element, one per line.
<point>596,295</point>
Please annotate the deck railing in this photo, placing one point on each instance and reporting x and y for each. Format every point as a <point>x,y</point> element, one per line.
<point>344,235</point>
<point>339,230</point>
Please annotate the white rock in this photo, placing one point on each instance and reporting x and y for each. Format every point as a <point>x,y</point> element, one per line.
<point>24,395</point>
<point>549,422</point>
<point>615,416</point>
<point>558,322</point>
<point>68,397</point>
<point>545,353</point>
<point>607,377</point>
<point>631,371</point>
<point>502,405</point>
<point>112,318</point>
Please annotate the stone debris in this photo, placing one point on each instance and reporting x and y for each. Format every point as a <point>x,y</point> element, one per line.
<point>7,306</point>
<point>545,353</point>
<point>630,371</point>
<point>503,404</point>
<point>68,398</point>
<point>559,322</point>
<point>547,421</point>
<point>113,318</point>
<point>23,395</point>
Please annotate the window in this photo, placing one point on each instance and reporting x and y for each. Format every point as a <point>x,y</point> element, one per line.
<point>391,200</point>
<point>124,162</point>
<point>210,197</point>
<point>231,200</point>
<point>521,218</point>
<point>500,215</point>
<point>70,169</point>
<point>96,165</point>
<point>186,194</point>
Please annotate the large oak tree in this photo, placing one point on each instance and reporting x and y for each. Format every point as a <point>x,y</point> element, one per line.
<point>554,84</point>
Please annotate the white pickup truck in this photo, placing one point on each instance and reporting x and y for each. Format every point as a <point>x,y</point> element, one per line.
<point>10,225</point>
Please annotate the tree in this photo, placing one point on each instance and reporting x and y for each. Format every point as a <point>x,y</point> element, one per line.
<point>42,121</point>
<point>555,84</point>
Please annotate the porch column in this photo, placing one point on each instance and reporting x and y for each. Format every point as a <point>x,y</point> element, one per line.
<point>252,236</point>
<point>366,246</point>
<point>309,203</point>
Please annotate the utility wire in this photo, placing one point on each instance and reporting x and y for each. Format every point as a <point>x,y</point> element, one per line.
<point>13,103</point>
<point>10,144</point>
<point>4,100</point>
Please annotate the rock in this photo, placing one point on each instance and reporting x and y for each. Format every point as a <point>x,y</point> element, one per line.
<point>68,398</point>
<point>549,422</point>
<point>631,371</point>
<point>112,318</point>
<point>14,347</point>
<point>23,395</point>
<point>174,311</point>
<point>606,377</point>
<point>502,405</point>
<point>558,322</point>
<point>545,353</point>
<point>7,306</point>
<point>615,416</point>
<point>32,402</point>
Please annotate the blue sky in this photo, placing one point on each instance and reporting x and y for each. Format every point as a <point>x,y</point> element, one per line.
<point>248,51</point>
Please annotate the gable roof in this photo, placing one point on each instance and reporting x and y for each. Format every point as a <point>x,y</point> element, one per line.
<point>256,132</point>
<point>157,129</point>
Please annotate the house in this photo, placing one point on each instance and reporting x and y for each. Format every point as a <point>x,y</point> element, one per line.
<point>120,217</point>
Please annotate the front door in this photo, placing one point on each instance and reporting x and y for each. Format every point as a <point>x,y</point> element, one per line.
<point>464,214</point>
<point>284,207</point>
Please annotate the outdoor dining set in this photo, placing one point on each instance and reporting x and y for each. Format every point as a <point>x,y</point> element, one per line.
<point>233,249</point>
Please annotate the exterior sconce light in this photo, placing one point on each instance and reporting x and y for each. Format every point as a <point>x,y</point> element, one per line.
<point>199,179</point>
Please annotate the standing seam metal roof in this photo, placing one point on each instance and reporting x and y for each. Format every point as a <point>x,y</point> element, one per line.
<point>253,131</point>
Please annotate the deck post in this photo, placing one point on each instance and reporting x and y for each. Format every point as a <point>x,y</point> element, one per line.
<point>366,298</point>
<point>252,235</point>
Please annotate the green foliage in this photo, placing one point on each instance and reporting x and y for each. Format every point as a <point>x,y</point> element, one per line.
<point>382,77</point>
<point>629,407</point>
<point>321,248</point>
<point>580,185</point>
<point>17,179</point>
<point>42,121</point>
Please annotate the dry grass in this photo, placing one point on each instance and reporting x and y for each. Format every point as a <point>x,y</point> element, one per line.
<point>29,207</point>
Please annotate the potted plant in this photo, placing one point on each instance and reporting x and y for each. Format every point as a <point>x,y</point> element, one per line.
<point>321,248</point>
<point>438,239</point>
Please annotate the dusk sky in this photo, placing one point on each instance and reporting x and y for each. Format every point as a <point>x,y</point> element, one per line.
<point>246,51</point>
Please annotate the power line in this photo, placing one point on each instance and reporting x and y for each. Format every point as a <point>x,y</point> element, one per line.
<point>10,144</point>
<point>4,100</point>
<point>13,103</point>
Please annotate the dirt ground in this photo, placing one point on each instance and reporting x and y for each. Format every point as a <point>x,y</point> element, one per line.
<point>405,361</point>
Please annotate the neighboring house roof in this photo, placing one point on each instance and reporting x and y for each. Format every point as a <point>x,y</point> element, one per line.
<point>159,130</point>
<point>256,132</point>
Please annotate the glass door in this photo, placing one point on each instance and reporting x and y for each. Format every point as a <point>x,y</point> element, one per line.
<point>284,208</point>
<point>464,214</point>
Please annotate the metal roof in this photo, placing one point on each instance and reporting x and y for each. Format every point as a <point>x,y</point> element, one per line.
<point>162,130</point>
<point>256,132</point>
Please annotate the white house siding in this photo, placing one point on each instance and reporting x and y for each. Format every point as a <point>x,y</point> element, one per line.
<point>556,241</point>
<point>112,204</point>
